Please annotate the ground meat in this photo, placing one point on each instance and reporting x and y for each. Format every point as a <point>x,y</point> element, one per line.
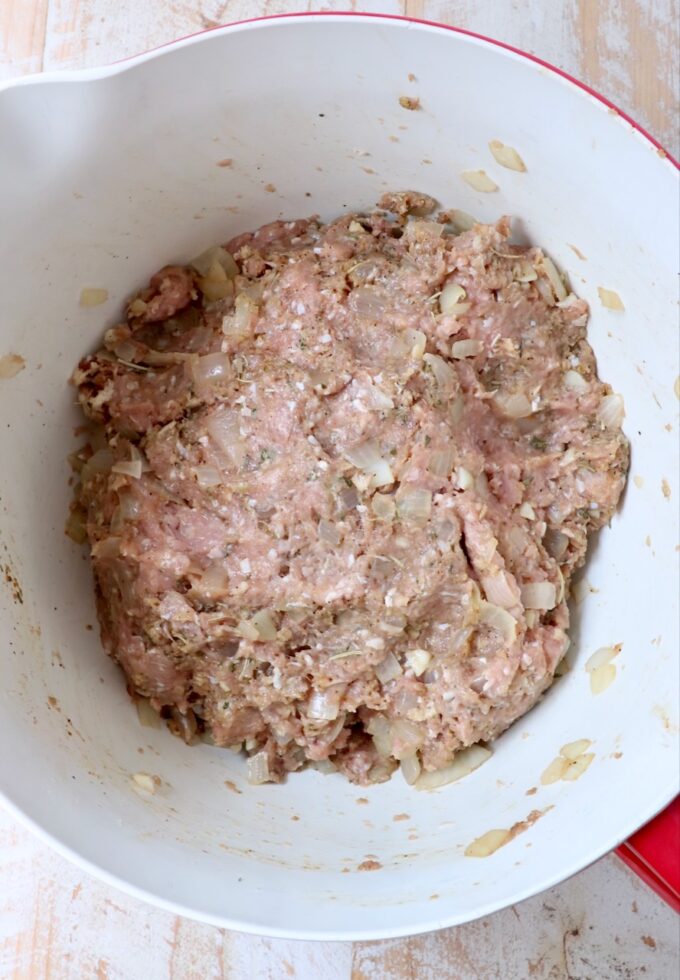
<point>340,478</point>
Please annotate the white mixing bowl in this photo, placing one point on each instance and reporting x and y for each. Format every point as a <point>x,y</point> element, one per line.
<point>107,174</point>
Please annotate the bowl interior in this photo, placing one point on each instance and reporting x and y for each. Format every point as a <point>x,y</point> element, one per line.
<point>108,175</point>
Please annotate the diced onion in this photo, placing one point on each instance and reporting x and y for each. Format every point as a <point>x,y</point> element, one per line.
<point>602,677</point>
<point>443,372</point>
<point>464,480</point>
<point>524,271</point>
<point>610,299</point>
<point>611,411</point>
<point>264,624</point>
<point>128,467</point>
<point>325,705</point>
<point>526,510</point>
<point>388,669</point>
<point>547,265</point>
<point>238,325</point>
<point>555,542</point>
<point>555,771</point>
<point>466,348</point>
<point>539,595</point>
<point>441,461</point>
<point>515,406</point>
<point>601,657</point>
<point>383,506</point>
<point>207,476</point>
<point>578,766</point>
<point>507,156</point>
<point>418,660</point>
<point>216,284</point>
<point>328,532</point>
<point>572,750</point>
<point>393,623</point>
<point>487,844</point>
<point>498,619</point>
<point>210,367</point>
<point>414,505</point>
<point>258,769</point>
<point>462,221</point>
<point>410,768</point>
<point>498,590</point>
<point>148,716</point>
<point>100,462</point>
<point>366,457</point>
<point>368,301</point>
<point>575,381</point>
<point>204,262</point>
<point>149,784</point>
<point>451,295</point>
<point>224,429</point>
<point>93,297</point>
<point>407,738</point>
<point>464,763</point>
<point>479,180</point>
<point>247,630</point>
<point>106,548</point>
<point>417,341</point>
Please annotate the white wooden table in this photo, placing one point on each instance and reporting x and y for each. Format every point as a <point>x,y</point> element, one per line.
<point>59,924</point>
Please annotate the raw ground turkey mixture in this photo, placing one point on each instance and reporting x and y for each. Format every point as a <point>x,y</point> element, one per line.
<point>339,478</point>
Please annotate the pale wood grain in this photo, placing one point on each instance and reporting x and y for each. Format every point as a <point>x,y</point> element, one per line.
<point>22,36</point>
<point>58,924</point>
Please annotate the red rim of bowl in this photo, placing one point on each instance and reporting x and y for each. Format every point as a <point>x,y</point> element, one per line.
<point>663,152</point>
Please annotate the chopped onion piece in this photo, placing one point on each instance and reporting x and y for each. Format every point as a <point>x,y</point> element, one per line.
<point>611,411</point>
<point>610,299</point>
<point>383,506</point>
<point>539,595</point>
<point>149,784</point>
<point>417,340</point>
<point>555,543</point>
<point>466,348</point>
<point>464,763</point>
<point>93,297</point>
<point>388,669</point>
<point>207,476</point>
<point>441,461</point>
<point>515,406</point>
<point>487,844</point>
<point>578,766</point>
<point>148,716</point>
<point>410,768</point>
<point>601,657</point>
<point>418,660</point>
<point>264,624</point>
<point>507,156</point>
<point>414,505</point>
<point>464,480</point>
<point>258,769</point>
<point>224,429</point>
<point>325,705</point>
<point>443,372</point>
<point>407,738</point>
<point>498,590</point>
<point>451,295</point>
<point>215,284</point>
<point>238,326</point>
<point>526,510</point>
<point>210,367</point>
<point>479,180</point>
<point>206,260</point>
<point>524,271</point>
<point>328,532</point>
<point>498,619</point>
<point>101,462</point>
<point>368,301</point>
<point>132,467</point>
<point>602,677</point>
<point>572,750</point>
<point>247,630</point>
<point>555,771</point>
<point>575,381</point>
<point>549,268</point>
<point>366,456</point>
<point>381,730</point>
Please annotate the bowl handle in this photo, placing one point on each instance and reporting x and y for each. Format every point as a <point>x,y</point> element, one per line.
<point>654,853</point>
